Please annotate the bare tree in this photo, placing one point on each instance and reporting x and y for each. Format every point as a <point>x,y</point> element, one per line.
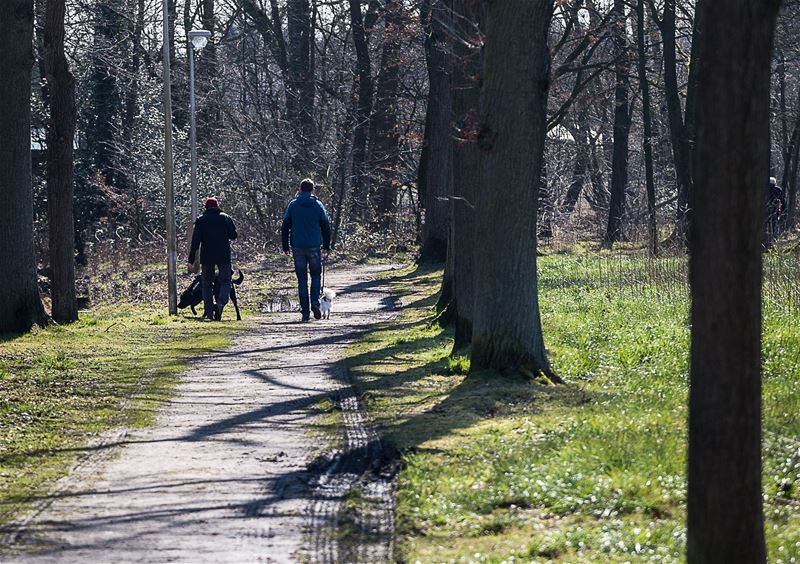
<point>21,306</point>
<point>622,126</point>
<point>647,124</point>
<point>725,520</point>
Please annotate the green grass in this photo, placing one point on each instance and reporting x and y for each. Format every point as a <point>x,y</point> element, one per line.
<point>500,469</point>
<point>62,385</point>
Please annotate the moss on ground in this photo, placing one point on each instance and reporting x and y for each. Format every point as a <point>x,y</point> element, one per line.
<point>502,469</point>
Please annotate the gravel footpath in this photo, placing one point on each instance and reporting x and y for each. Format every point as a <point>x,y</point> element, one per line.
<point>224,474</point>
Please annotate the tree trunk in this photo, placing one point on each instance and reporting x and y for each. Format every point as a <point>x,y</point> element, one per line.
<point>647,140</point>
<point>507,332</point>
<point>301,80</point>
<point>437,133</point>
<point>208,111</point>
<point>364,109</point>
<point>678,133</point>
<point>789,179</point>
<point>468,23</point>
<point>725,521</point>
<point>21,306</point>
<point>622,127</point>
<point>579,166</point>
<point>104,90</point>
<point>384,133</point>
<point>60,135</point>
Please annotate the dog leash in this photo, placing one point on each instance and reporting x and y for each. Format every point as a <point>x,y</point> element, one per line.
<point>322,286</point>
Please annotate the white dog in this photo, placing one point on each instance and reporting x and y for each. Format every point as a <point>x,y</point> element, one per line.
<point>326,302</point>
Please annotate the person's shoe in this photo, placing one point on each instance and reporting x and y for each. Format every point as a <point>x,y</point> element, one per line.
<point>206,318</point>
<point>305,318</point>
<point>317,312</point>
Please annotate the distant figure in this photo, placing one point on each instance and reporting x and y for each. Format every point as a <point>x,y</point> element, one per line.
<point>306,227</point>
<point>776,207</point>
<point>213,233</point>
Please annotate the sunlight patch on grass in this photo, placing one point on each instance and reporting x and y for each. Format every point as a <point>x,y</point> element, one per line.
<point>500,469</point>
<point>62,385</point>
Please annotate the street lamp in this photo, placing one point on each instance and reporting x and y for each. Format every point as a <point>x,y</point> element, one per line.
<point>198,38</point>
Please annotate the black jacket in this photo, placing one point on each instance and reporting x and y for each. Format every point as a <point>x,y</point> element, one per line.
<point>213,233</point>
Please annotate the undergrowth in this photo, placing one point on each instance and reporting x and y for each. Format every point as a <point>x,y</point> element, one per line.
<point>502,469</point>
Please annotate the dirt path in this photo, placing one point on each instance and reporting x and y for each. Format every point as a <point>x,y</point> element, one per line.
<point>224,474</point>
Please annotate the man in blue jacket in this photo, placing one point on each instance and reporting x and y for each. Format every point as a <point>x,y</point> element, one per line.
<point>307,227</point>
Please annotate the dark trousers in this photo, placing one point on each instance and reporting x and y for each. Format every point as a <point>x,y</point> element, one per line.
<point>225,273</point>
<point>307,259</point>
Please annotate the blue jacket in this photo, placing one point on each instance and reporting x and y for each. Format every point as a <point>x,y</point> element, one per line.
<point>306,223</point>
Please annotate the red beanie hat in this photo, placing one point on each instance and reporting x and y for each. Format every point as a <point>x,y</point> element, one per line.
<point>212,202</point>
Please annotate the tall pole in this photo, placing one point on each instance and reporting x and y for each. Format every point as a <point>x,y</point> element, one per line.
<point>172,257</point>
<point>193,131</point>
<point>193,145</point>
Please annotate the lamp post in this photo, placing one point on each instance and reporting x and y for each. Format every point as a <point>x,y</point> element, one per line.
<point>198,38</point>
<point>172,255</point>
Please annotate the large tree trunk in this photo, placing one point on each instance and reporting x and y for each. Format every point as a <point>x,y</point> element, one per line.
<point>681,129</point>
<point>21,306</point>
<point>436,166</point>
<point>507,331</point>
<point>468,23</point>
<point>725,521</point>
<point>301,80</point>
<point>647,140</point>
<point>104,89</point>
<point>622,127</point>
<point>60,134</point>
<point>384,133</point>
<point>360,199</point>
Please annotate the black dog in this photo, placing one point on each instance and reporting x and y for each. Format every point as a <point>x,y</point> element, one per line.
<point>193,295</point>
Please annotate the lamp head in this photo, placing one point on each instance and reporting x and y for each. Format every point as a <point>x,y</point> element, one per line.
<point>199,38</point>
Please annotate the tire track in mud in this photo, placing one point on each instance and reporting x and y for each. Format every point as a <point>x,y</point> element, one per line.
<point>353,517</point>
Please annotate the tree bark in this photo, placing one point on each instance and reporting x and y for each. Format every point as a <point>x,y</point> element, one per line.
<point>507,332</point>
<point>384,133</point>
<point>301,80</point>
<point>681,129</point>
<point>363,110</point>
<point>468,23</point>
<point>647,140</point>
<point>60,135</point>
<point>104,90</point>
<point>580,165</point>
<point>622,127</point>
<point>725,521</point>
<point>437,133</point>
<point>21,306</point>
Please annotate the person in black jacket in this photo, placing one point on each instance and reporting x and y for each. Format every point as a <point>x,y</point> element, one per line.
<point>213,233</point>
<point>776,208</point>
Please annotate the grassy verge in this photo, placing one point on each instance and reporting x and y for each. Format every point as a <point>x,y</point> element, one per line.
<point>504,470</point>
<point>62,385</point>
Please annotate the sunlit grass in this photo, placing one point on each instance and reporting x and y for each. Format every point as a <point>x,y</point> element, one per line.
<point>503,469</point>
<point>62,385</point>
